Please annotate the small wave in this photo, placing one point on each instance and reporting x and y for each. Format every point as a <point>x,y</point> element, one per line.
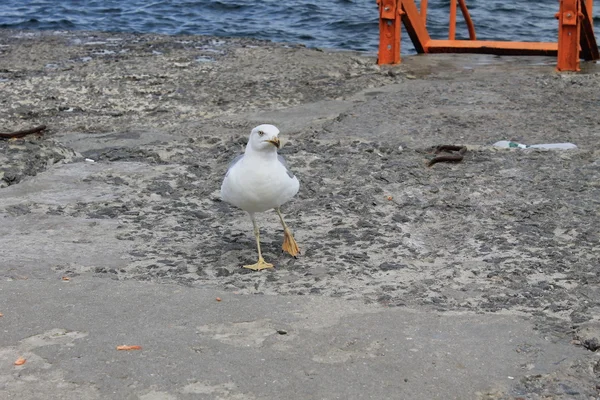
<point>34,23</point>
<point>306,37</point>
<point>109,10</point>
<point>225,6</point>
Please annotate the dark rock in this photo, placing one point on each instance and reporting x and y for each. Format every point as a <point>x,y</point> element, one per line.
<point>222,272</point>
<point>391,266</point>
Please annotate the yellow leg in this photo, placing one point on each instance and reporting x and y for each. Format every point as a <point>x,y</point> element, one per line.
<point>261,264</point>
<point>289,243</point>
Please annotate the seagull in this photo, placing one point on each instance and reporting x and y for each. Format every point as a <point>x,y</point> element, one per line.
<point>259,180</point>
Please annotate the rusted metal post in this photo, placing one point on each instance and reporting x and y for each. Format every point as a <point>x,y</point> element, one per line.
<point>452,27</point>
<point>389,32</point>
<point>569,31</point>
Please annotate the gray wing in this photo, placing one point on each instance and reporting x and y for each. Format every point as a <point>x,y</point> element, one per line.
<point>282,161</point>
<point>232,163</point>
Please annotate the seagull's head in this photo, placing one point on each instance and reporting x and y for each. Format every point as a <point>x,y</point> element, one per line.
<point>264,138</point>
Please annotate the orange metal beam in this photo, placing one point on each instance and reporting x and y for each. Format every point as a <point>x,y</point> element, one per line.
<point>423,11</point>
<point>468,20</point>
<point>415,26</point>
<point>589,47</point>
<point>492,47</point>
<point>389,31</point>
<point>575,34</point>
<point>466,16</point>
<point>569,31</point>
<point>452,24</point>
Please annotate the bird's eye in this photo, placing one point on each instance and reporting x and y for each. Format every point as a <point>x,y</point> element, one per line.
<point>260,133</point>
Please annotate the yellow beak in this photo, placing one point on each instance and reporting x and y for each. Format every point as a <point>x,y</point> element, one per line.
<point>275,142</point>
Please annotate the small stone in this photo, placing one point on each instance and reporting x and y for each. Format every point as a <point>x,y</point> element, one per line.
<point>389,266</point>
<point>400,218</point>
<point>200,214</point>
<point>591,344</point>
<point>282,331</point>
<point>589,335</point>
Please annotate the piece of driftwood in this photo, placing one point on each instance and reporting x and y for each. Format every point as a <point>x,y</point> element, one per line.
<point>22,133</point>
<point>451,156</point>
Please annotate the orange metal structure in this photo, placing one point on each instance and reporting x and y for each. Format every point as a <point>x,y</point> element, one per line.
<point>575,34</point>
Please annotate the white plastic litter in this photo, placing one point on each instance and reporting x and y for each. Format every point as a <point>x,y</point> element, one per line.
<point>507,144</point>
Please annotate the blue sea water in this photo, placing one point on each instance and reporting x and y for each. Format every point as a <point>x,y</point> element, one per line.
<point>340,24</point>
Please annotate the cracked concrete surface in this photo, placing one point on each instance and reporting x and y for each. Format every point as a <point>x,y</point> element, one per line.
<point>470,280</point>
<point>332,348</point>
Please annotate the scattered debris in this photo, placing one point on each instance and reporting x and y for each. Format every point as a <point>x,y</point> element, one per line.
<point>23,133</point>
<point>588,336</point>
<point>20,361</point>
<point>450,157</point>
<point>127,348</point>
<point>507,144</point>
<point>592,344</point>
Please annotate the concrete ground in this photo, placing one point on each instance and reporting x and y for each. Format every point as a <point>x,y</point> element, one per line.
<point>257,347</point>
<point>476,280</point>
